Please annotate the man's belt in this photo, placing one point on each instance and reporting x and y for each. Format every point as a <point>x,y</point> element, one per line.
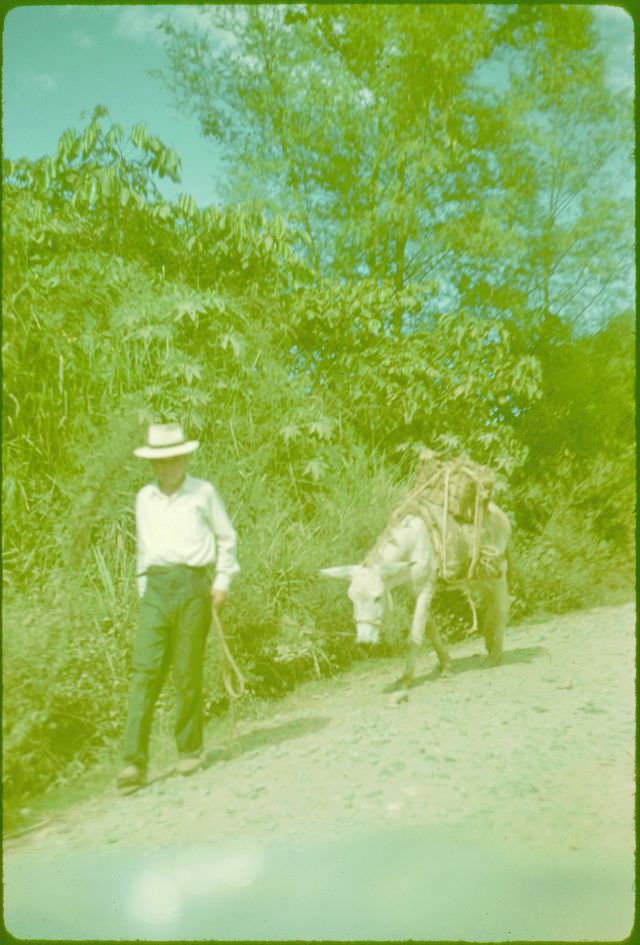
<point>168,568</point>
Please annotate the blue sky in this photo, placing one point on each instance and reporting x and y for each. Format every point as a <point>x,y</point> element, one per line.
<point>60,61</point>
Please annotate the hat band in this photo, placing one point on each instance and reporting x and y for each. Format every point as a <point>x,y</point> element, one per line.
<point>166,446</point>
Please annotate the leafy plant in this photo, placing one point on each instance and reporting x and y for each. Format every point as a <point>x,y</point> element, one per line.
<point>301,335</point>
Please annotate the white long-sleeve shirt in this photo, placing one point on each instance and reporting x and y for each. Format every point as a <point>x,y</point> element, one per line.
<point>190,526</point>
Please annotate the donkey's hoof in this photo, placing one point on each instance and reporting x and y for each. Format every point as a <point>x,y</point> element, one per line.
<point>400,695</point>
<point>492,660</point>
<point>446,670</point>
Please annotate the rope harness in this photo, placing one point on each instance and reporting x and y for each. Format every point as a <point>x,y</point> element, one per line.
<point>477,523</point>
<point>439,487</point>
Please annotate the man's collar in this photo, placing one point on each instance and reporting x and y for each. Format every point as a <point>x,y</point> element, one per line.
<point>181,488</point>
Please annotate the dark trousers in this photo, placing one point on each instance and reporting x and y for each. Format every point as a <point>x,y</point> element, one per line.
<point>174,619</point>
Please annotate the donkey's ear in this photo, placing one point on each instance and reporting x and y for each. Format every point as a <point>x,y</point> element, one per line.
<point>342,571</point>
<point>395,570</point>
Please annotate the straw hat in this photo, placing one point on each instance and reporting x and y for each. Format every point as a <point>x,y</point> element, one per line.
<point>165,440</point>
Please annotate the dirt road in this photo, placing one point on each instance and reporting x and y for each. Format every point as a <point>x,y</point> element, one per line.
<point>494,804</point>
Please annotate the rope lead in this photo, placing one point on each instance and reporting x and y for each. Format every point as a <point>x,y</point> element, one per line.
<point>232,678</point>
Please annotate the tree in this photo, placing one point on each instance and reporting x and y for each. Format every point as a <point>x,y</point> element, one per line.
<point>456,384</point>
<point>365,128</point>
<point>349,121</point>
<point>113,298</point>
<point>580,433</point>
<point>551,231</point>
<point>469,148</point>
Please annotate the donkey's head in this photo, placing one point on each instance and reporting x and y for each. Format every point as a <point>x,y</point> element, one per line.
<point>368,590</point>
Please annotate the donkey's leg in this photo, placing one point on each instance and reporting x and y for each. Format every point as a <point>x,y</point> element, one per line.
<point>468,593</point>
<point>483,592</point>
<point>496,616</point>
<point>410,666</point>
<point>422,620</point>
<point>441,651</point>
<point>416,638</point>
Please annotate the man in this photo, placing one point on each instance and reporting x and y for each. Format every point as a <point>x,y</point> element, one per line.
<point>186,555</point>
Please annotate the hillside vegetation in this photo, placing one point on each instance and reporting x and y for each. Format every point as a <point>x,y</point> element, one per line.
<point>306,342</point>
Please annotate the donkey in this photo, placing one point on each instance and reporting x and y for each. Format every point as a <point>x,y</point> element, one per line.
<point>406,553</point>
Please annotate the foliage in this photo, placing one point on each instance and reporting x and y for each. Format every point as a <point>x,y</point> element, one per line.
<point>553,234</point>
<point>65,681</point>
<point>567,566</point>
<point>346,119</point>
<point>457,384</point>
<point>303,336</point>
<point>581,435</point>
<point>473,146</point>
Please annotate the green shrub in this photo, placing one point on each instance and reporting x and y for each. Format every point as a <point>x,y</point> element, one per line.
<point>64,676</point>
<point>567,566</point>
<point>298,388</point>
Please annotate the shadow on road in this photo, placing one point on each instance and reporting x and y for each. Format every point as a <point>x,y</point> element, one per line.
<point>466,664</point>
<point>523,654</point>
<point>263,737</point>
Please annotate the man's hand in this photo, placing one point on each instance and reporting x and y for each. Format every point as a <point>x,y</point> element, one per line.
<point>218,598</point>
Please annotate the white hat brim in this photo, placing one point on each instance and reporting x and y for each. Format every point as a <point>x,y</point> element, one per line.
<point>166,452</point>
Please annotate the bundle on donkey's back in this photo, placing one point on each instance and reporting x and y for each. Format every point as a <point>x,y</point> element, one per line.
<point>448,530</point>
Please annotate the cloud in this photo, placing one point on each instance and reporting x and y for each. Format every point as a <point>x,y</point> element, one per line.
<point>141,24</point>
<point>42,81</point>
<point>82,39</point>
